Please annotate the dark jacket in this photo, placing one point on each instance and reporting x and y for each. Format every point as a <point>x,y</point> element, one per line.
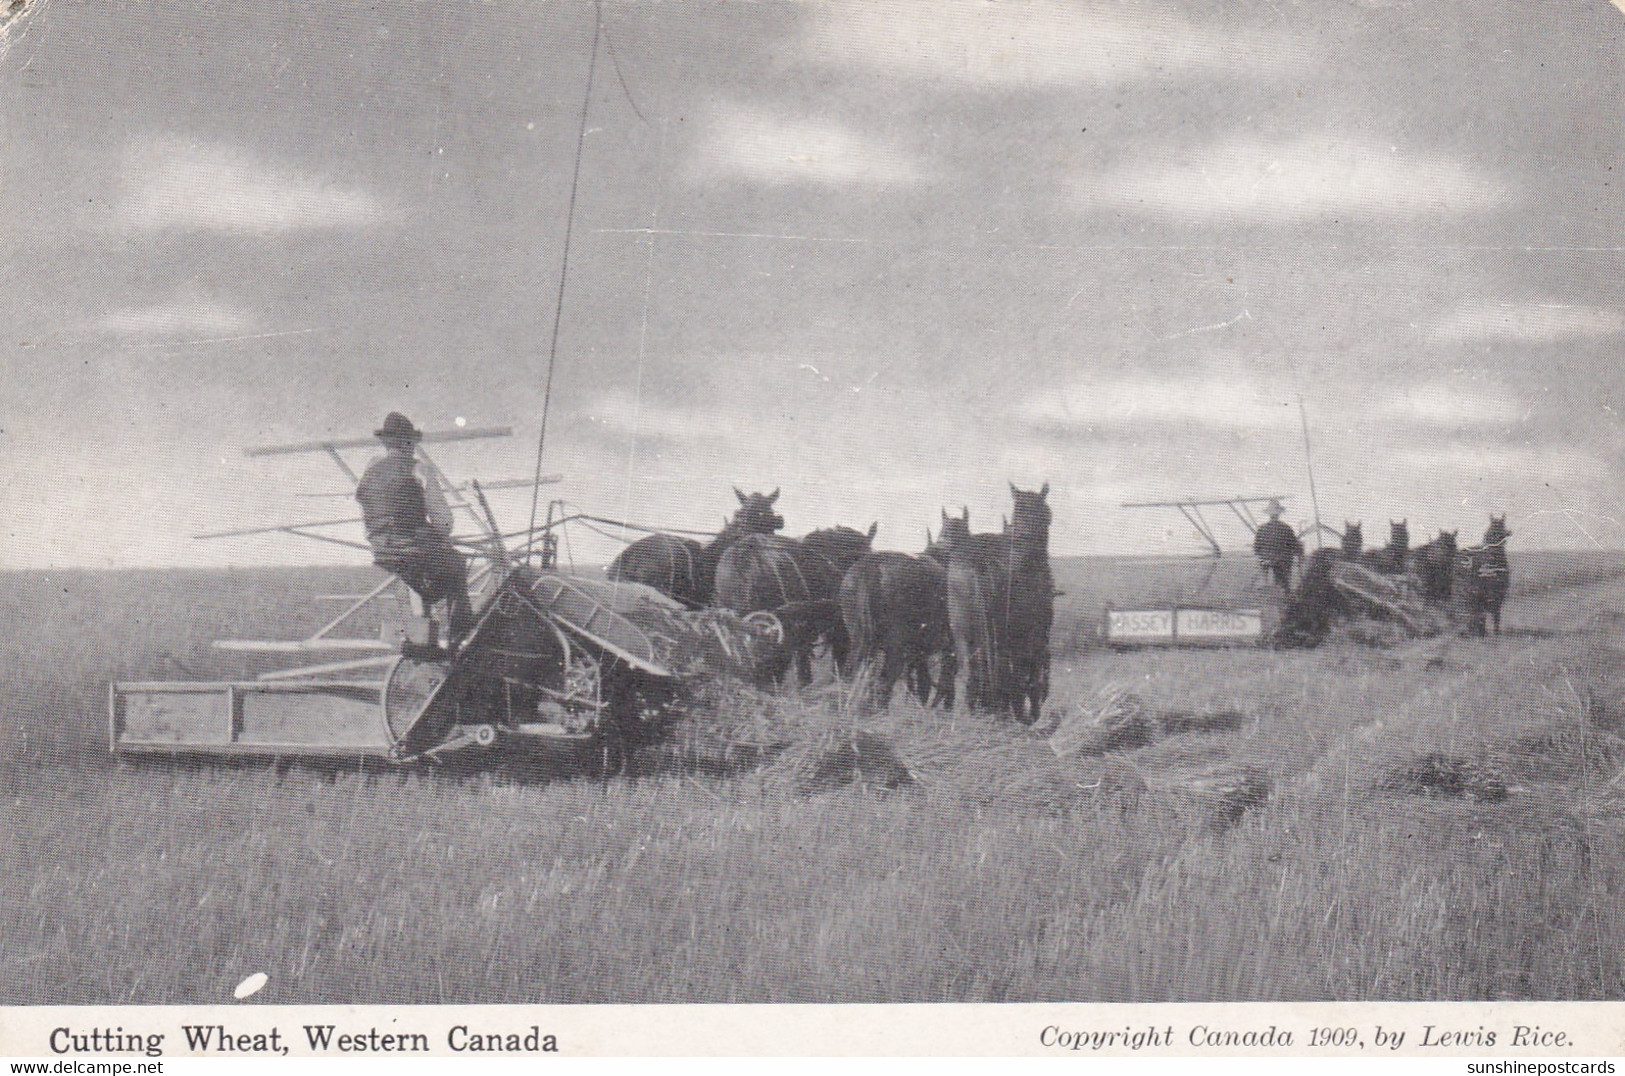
<point>1277,543</point>
<point>393,508</point>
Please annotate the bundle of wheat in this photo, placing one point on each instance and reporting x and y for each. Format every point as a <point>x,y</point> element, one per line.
<point>1222,796</point>
<point>836,757</point>
<point>1445,775</point>
<point>1118,720</point>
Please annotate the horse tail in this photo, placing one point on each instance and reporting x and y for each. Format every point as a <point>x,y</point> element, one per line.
<point>857,611</point>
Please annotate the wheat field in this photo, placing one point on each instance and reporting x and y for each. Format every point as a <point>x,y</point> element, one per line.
<point>1440,819</point>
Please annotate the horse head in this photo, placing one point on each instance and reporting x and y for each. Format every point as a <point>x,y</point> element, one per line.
<point>1497,532</point>
<point>1399,535</point>
<point>756,514</point>
<point>1032,515</point>
<point>955,529</point>
<point>1353,540</point>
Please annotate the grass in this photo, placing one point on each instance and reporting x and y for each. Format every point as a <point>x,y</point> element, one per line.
<point>998,872</point>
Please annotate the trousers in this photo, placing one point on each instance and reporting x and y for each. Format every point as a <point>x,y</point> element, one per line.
<point>428,563</point>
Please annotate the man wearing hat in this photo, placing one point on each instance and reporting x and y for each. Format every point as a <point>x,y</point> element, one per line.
<point>1277,547</point>
<point>409,524</point>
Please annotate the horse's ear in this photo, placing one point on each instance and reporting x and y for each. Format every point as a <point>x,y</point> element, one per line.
<point>741,496</point>
<point>772,498</point>
<point>1043,493</point>
<point>874,529</point>
<point>964,513</point>
<point>1013,489</point>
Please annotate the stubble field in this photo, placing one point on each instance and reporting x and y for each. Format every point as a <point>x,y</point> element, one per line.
<point>1440,819</point>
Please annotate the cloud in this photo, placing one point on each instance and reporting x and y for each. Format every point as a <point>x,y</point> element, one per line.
<point>1508,465</point>
<point>185,315</point>
<point>1249,179</point>
<point>1455,404</point>
<point>766,148</point>
<point>1023,45</point>
<point>176,183</point>
<point>1192,401</point>
<point>623,413</point>
<point>1535,323</point>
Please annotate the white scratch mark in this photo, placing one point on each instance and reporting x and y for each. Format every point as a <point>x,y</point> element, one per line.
<point>1573,514</point>
<point>1109,247</point>
<point>728,235</point>
<point>218,339</point>
<point>1245,315</point>
<point>251,985</point>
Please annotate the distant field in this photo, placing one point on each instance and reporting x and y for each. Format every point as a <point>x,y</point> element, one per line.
<point>1440,820</point>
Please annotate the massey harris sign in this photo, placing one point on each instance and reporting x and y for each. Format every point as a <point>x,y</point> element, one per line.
<point>1192,627</point>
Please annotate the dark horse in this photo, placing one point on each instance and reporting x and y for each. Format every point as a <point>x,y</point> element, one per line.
<point>1483,577</point>
<point>684,569</point>
<point>1391,560</point>
<point>896,605</point>
<point>768,572</point>
<point>1353,540</point>
<point>1001,604</point>
<point>1434,564</point>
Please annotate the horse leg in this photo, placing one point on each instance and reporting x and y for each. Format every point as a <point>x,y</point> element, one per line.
<point>962,664</point>
<point>1018,682</point>
<point>891,671</point>
<point>804,653</point>
<point>947,674</point>
<point>840,648</point>
<point>920,677</point>
<point>1038,689</point>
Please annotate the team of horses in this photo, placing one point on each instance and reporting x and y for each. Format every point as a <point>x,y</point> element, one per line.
<point>977,606</point>
<point>981,604</point>
<point>1476,577</point>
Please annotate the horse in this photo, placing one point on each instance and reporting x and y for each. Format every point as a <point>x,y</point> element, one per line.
<point>897,605</point>
<point>1313,609</point>
<point>1434,563</point>
<point>1353,541</point>
<point>682,568</point>
<point>764,572</point>
<point>1484,576</point>
<point>1391,560</point>
<point>1001,605</point>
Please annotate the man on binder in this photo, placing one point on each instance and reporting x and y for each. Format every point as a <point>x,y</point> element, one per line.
<point>1277,547</point>
<point>409,524</point>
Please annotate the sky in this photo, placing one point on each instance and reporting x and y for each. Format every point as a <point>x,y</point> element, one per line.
<point>884,257</point>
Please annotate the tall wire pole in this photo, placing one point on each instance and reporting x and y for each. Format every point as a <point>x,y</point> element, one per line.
<point>564,268</point>
<point>1309,464</point>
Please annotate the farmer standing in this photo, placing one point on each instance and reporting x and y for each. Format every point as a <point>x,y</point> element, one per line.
<point>409,524</point>
<point>1277,547</point>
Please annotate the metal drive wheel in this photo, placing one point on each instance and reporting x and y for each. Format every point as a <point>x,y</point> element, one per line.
<point>768,622</point>
<point>584,681</point>
<point>411,690</point>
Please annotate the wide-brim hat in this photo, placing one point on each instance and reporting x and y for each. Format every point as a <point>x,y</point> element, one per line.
<point>397,427</point>
<point>1274,508</point>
